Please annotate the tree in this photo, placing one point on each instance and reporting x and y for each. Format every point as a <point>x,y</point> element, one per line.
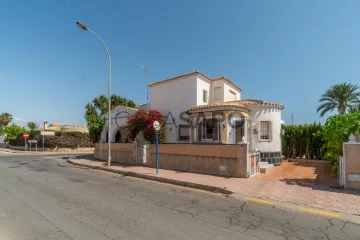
<point>32,125</point>
<point>97,108</point>
<point>5,119</point>
<point>337,130</point>
<point>355,109</point>
<point>342,97</point>
<point>13,131</point>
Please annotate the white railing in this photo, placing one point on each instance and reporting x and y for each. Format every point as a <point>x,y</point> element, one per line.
<point>341,174</point>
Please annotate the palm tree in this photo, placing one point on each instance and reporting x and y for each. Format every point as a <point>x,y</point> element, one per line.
<point>5,119</point>
<point>355,109</point>
<point>342,97</point>
<point>32,125</point>
<point>101,103</point>
<point>97,108</point>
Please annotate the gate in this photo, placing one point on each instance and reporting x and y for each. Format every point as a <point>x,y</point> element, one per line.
<point>254,163</point>
<point>341,172</point>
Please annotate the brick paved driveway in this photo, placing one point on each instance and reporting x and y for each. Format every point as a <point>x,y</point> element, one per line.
<point>301,173</point>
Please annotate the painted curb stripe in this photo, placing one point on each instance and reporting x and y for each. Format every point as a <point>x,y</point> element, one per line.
<point>320,212</point>
<point>258,200</point>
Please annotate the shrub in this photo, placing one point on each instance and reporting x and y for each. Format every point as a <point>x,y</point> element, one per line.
<point>60,140</point>
<point>300,140</point>
<point>143,121</point>
<point>337,130</point>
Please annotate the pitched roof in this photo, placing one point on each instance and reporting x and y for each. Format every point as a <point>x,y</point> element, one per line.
<point>245,104</point>
<point>222,104</point>
<point>256,102</point>
<point>194,73</point>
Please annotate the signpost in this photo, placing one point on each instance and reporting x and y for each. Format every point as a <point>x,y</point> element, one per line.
<point>46,133</point>
<point>33,141</point>
<point>25,136</point>
<point>156,126</point>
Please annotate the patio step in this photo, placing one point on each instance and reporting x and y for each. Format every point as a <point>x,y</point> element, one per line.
<point>265,166</point>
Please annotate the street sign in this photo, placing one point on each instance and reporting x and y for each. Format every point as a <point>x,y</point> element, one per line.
<point>32,141</point>
<point>156,125</point>
<point>47,133</point>
<point>26,135</point>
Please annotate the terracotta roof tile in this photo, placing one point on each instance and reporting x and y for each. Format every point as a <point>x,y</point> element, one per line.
<point>245,104</point>
<point>256,102</point>
<point>223,104</point>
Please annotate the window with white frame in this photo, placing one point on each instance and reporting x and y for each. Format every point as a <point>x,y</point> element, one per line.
<point>183,132</point>
<point>265,130</point>
<point>209,130</point>
<point>205,96</point>
<point>217,93</point>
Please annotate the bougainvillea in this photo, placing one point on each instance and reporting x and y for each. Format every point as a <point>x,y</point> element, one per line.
<point>143,121</point>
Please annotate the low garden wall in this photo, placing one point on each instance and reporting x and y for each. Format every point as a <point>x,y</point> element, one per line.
<point>120,152</point>
<point>352,165</point>
<point>224,160</point>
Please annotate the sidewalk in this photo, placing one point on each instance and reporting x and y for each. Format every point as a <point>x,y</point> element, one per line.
<point>318,196</point>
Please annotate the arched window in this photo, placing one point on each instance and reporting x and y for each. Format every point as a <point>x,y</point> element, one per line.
<point>118,136</point>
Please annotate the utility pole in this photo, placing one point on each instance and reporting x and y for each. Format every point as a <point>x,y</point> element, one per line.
<point>146,68</point>
<point>292,119</point>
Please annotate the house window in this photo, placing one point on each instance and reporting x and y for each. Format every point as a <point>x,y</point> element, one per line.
<point>205,96</point>
<point>232,95</point>
<point>209,130</point>
<point>265,130</point>
<point>217,93</point>
<point>183,132</point>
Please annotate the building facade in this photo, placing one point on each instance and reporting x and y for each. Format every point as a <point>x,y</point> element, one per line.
<point>200,109</point>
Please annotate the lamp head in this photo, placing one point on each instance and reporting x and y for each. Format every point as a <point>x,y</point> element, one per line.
<point>82,25</point>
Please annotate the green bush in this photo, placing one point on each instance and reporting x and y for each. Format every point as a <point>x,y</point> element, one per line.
<point>337,130</point>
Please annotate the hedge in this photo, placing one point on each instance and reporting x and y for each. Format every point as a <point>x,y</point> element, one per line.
<point>60,140</point>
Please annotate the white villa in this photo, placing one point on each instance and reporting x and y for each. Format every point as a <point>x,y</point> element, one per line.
<point>207,110</point>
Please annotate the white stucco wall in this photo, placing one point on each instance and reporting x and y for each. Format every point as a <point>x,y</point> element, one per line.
<point>175,97</point>
<point>118,119</point>
<point>264,113</point>
<point>227,94</point>
<point>203,84</point>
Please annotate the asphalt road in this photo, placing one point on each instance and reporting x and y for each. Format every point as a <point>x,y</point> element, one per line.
<point>44,197</point>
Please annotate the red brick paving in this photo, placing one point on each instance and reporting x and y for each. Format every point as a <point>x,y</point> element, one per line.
<point>301,173</point>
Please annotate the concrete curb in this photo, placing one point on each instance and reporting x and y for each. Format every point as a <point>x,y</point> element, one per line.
<point>296,207</point>
<point>158,179</point>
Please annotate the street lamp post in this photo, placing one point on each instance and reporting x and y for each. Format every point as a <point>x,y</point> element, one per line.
<point>84,27</point>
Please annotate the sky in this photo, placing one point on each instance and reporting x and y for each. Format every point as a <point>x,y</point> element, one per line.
<point>284,51</point>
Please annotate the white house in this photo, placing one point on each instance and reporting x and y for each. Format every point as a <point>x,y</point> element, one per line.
<point>119,118</point>
<point>200,109</point>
